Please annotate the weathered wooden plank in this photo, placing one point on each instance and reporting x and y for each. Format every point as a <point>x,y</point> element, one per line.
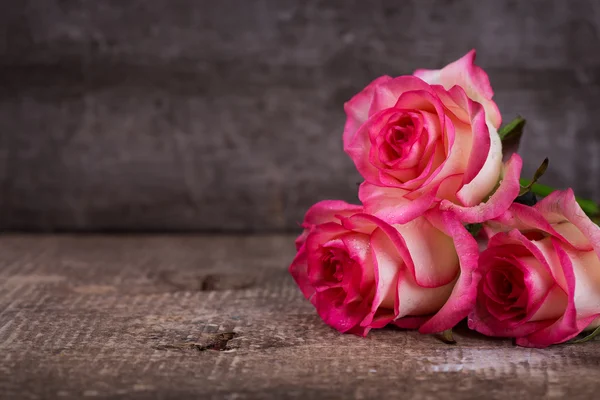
<point>178,317</point>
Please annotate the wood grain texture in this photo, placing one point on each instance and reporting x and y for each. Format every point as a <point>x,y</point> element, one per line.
<point>186,317</point>
<point>203,115</point>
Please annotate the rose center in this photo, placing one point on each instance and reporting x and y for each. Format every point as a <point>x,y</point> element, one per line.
<point>505,283</point>
<point>505,291</point>
<point>333,265</point>
<point>398,135</point>
<point>505,288</point>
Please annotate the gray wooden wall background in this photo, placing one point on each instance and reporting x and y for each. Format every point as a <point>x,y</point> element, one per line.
<point>227,115</point>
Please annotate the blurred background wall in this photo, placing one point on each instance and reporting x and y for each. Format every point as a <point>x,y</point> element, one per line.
<point>227,115</point>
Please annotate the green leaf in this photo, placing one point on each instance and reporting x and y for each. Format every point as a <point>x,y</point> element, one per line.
<point>447,337</point>
<point>588,337</point>
<point>513,129</point>
<point>537,188</point>
<point>474,229</point>
<point>590,207</point>
<point>538,174</point>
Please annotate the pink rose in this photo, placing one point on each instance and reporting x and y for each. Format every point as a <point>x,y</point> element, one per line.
<point>361,273</point>
<point>429,138</point>
<point>540,275</point>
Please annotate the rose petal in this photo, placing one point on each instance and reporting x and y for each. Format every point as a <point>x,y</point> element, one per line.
<point>415,300</point>
<point>341,317</point>
<point>313,246</point>
<point>326,211</point>
<point>472,78</point>
<point>562,205</point>
<point>484,180</point>
<point>359,249</point>
<point>357,108</point>
<point>464,293</point>
<point>586,267</point>
<point>390,205</point>
<point>527,219</point>
<point>500,200</point>
<point>482,318</point>
<point>387,93</point>
<point>360,149</point>
<point>565,327</point>
<point>386,264</point>
<point>546,299</point>
<point>434,259</point>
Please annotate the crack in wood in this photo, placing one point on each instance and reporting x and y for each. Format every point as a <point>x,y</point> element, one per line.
<point>219,342</point>
<point>206,282</point>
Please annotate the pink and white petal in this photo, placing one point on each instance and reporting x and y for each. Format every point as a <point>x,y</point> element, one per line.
<point>464,293</point>
<point>437,149</point>
<point>572,235</point>
<point>485,161</point>
<point>387,263</point>
<point>472,78</point>
<point>526,218</point>
<point>359,148</point>
<point>459,142</point>
<point>360,157</point>
<point>425,101</point>
<point>432,252</point>
<point>481,321</point>
<point>358,246</point>
<point>340,318</point>
<point>520,217</point>
<point>479,186</point>
<point>545,299</point>
<point>480,318</point>
<point>325,233</point>
<point>565,327</point>
<point>457,153</point>
<point>448,188</point>
<point>485,135</point>
<point>433,126</point>
<point>360,223</point>
<point>551,306</point>
<point>359,249</point>
<point>430,166</point>
<point>393,247</point>
<point>562,205</point>
<point>415,300</point>
<point>327,210</point>
<point>500,200</point>
<point>452,109</point>
<point>382,318</point>
<point>387,93</point>
<point>391,205</point>
<point>586,267</point>
<point>357,108</point>
<point>544,251</point>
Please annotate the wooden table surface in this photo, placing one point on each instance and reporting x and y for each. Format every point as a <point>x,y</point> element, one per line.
<point>190,317</point>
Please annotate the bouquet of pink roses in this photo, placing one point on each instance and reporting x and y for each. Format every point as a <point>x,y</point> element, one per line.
<point>447,229</point>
